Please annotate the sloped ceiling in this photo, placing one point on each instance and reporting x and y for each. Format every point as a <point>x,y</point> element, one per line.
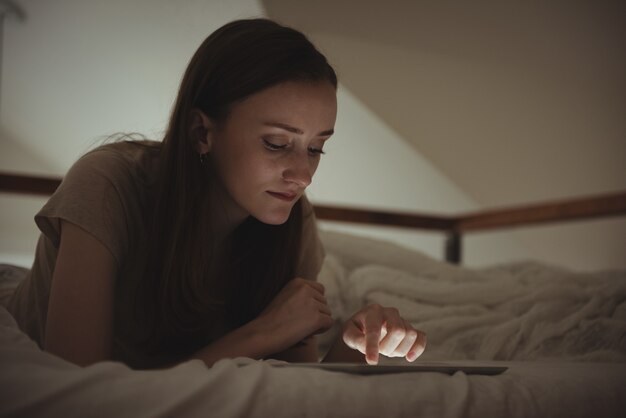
<point>514,101</point>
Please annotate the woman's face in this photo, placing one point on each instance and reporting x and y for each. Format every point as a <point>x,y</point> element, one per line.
<point>266,152</point>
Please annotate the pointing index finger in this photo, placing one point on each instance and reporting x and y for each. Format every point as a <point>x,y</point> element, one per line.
<point>373,325</point>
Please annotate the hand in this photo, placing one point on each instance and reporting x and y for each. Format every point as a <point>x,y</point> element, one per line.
<point>297,312</point>
<point>377,330</point>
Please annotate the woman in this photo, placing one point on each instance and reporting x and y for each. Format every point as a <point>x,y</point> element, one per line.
<point>204,246</point>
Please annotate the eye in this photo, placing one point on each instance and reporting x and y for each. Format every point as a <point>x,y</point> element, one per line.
<point>272,146</point>
<point>316,151</point>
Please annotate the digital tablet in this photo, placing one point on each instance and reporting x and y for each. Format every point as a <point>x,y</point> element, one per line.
<point>365,369</point>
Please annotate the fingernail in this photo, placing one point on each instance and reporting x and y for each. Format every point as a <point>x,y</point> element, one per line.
<point>371,360</point>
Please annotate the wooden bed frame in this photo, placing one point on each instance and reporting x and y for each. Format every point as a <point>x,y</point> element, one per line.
<point>453,226</point>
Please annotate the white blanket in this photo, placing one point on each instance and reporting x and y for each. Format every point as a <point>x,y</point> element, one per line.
<point>36,384</point>
<point>522,311</point>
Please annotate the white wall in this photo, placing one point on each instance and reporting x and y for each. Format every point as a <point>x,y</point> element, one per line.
<point>76,71</point>
<point>515,102</point>
<point>18,232</point>
<point>369,165</point>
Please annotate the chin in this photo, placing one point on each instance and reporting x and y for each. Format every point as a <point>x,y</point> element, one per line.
<point>274,217</point>
<point>273,220</point>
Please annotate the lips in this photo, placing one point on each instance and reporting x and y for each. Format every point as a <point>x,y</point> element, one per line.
<point>286,196</point>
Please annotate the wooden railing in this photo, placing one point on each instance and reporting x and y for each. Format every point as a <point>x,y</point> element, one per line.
<point>19,183</point>
<point>454,226</point>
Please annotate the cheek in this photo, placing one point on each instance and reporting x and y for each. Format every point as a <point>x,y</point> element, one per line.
<point>256,168</point>
<point>239,160</point>
<point>313,166</point>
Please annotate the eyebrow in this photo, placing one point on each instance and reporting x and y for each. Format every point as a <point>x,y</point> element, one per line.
<point>295,130</point>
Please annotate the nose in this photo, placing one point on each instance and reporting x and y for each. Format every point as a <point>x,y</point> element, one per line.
<point>299,170</point>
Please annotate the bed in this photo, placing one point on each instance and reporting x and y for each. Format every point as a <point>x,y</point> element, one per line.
<point>562,335</point>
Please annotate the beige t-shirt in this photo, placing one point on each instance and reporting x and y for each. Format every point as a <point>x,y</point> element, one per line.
<point>107,193</point>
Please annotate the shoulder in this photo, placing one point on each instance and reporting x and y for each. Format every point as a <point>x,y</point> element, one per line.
<point>116,164</point>
<point>119,154</point>
<point>103,193</point>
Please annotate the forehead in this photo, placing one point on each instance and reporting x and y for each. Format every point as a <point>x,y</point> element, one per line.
<point>290,102</point>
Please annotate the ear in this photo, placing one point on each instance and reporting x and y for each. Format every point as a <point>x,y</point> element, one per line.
<point>201,131</point>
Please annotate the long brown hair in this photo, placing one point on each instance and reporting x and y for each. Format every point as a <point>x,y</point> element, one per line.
<point>185,289</point>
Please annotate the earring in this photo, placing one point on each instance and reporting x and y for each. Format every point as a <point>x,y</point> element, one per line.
<point>203,158</point>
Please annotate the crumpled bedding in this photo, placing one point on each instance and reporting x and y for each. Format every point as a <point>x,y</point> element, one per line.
<point>519,311</point>
<point>546,376</point>
<point>36,384</point>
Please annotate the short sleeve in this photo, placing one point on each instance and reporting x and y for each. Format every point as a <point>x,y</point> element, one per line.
<point>311,251</point>
<point>89,197</point>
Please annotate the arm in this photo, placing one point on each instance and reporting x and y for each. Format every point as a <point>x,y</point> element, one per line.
<point>305,351</point>
<point>245,342</point>
<point>298,312</point>
<point>79,325</point>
